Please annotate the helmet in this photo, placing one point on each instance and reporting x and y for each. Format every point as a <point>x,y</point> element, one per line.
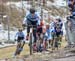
<point>58,17</point>
<point>32,10</point>
<point>20,30</point>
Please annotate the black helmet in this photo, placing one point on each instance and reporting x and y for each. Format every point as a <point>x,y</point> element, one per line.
<point>32,10</point>
<point>20,29</point>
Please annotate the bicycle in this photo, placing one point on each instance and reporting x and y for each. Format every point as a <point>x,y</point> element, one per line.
<point>31,44</point>
<point>37,47</point>
<point>19,47</point>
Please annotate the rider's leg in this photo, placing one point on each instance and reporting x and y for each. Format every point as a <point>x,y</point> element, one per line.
<point>59,39</point>
<point>17,51</point>
<point>61,35</point>
<point>23,44</point>
<point>28,29</point>
<point>49,43</point>
<point>35,40</point>
<point>53,40</point>
<point>34,30</point>
<point>34,34</point>
<point>20,45</point>
<point>34,24</point>
<point>19,48</point>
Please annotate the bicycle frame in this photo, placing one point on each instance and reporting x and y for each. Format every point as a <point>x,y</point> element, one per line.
<point>31,38</point>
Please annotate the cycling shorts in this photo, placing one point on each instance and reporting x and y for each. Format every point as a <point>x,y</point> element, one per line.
<point>19,39</point>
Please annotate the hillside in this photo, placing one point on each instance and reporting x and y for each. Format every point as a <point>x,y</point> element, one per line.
<point>17,10</point>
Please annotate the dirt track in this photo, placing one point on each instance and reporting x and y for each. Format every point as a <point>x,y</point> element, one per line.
<point>41,59</point>
<point>45,56</point>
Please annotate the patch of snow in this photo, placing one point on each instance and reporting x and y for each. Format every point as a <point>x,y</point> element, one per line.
<point>57,3</point>
<point>6,45</point>
<point>4,35</point>
<point>20,4</point>
<point>60,3</point>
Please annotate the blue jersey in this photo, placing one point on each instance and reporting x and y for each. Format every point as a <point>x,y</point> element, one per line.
<point>34,18</point>
<point>49,33</point>
<point>19,34</point>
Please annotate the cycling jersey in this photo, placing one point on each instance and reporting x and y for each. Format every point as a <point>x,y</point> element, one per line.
<point>19,36</point>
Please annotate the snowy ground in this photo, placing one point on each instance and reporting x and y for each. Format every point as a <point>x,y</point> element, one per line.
<point>6,45</point>
<point>4,34</point>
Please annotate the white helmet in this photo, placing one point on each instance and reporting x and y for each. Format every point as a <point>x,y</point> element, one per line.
<point>58,17</point>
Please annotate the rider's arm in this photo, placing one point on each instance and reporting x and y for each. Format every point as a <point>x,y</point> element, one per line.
<point>15,37</point>
<point>23,34</point>
<point>24,22</point>
<point>37,18</point>
<point>25,18</point>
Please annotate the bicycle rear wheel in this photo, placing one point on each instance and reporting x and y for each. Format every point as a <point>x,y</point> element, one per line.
<point>30,44</point>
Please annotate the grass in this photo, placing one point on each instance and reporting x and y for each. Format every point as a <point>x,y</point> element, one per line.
<point>64,43</point>
<point>8,52</point>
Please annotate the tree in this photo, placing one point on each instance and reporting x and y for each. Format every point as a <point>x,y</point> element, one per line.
<point>15,15</point>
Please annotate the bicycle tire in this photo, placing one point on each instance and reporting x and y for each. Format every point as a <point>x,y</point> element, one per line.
<point>30,43</point>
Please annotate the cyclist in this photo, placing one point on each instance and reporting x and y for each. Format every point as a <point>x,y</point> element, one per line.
<point>40,29</point>
<point>32,20</point>
<point>40,34</point>
<point>58,31</point>
<point>71,4</point>
<point>19,37</point>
